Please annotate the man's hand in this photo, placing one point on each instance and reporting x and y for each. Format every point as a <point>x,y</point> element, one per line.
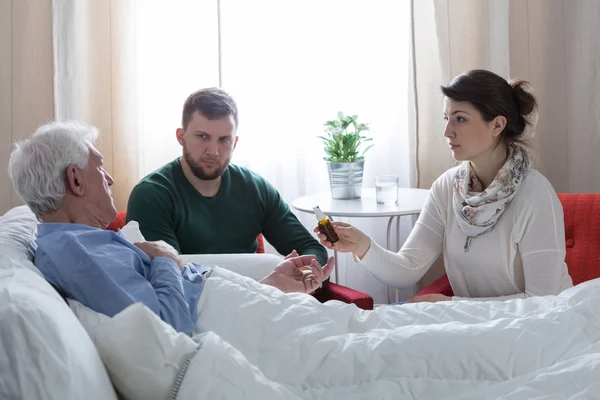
<point>429,298</point>
<point>293,254</point>
<point>299,274</point>
<point>160,249</point>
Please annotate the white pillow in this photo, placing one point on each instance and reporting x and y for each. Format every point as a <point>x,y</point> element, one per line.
<point>142,353</point>
<point>132,232</point>
<point>255,266</point>
<point>18,231</point>
<point>44,351</point>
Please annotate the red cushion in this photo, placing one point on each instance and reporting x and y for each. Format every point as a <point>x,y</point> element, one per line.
<point>582,233</point>
<point>261,243</point>
<point>441,285</point>
<point>332,291</point>
<point>119,222</point>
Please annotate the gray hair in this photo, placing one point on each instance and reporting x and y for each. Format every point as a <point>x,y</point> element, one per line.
<point>37,165</point>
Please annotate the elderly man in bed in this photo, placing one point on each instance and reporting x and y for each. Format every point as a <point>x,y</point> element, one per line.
<point>60,176</point>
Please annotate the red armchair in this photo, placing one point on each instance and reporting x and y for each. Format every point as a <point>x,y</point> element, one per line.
<point>582,234</point>
<point>330,291</point>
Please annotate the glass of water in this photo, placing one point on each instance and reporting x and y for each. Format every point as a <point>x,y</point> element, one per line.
<point>386,189</point>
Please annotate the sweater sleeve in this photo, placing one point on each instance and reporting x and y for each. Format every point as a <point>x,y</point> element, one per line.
<point>422,248</point>
<point>542,248</point>
<point>152,207</point>
<point>284,231</point>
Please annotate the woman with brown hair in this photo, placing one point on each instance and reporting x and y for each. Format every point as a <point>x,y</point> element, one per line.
<point>497,221</point>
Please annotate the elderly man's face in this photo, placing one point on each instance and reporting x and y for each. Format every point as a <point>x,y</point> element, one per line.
<point>96,184</point>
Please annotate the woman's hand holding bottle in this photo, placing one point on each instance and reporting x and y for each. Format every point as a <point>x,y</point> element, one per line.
<point>350,239</point>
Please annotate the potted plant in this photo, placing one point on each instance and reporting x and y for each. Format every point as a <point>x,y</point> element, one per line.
<point>345,160</point>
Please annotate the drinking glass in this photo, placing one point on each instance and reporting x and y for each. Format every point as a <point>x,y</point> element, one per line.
<point>386,189</point>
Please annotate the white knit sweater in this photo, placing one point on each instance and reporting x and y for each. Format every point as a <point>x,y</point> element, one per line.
<point>522,256</point>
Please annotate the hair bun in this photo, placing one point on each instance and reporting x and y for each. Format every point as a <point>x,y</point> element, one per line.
<point>526,102</point>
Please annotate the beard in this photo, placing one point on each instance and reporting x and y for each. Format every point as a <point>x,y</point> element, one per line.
<point>200,172</point>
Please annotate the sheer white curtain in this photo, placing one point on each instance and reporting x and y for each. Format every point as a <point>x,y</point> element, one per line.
<point>293,65</point>
<point>128,65</point>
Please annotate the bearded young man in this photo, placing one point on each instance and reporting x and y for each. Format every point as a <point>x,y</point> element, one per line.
<point>201,204</point>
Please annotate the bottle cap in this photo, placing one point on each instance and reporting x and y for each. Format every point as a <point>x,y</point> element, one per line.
<point>320,215</point>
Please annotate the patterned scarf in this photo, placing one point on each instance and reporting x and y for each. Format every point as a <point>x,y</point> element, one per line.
<point>477,210</point>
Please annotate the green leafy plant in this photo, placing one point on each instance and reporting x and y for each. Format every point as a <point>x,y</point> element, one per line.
<point>344,139</point>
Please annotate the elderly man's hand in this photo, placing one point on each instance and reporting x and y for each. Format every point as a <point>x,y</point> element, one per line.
<point>299,274</point>
<point>160,249</point>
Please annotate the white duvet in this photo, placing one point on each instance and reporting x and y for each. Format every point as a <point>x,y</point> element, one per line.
<point>262,344</point>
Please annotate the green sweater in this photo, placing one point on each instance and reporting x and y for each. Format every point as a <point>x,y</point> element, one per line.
<point>169,208</point>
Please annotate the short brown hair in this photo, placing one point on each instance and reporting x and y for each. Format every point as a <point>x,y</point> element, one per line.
<point>212,103</point>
